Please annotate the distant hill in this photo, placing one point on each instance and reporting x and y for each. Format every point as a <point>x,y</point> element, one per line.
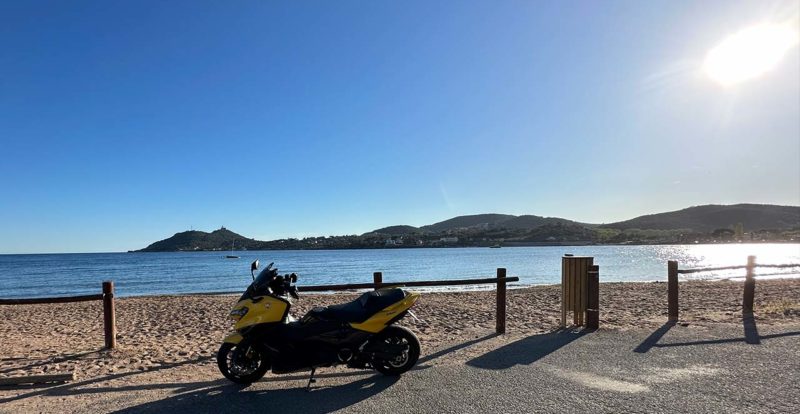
<point>480,222</point>
<point>561,231</point>
<point>222,239</point>
<point>532,222</point>
<point>397,230</point>
<point>460,222</point>
<point>711,217</point>
<point>767,223</point>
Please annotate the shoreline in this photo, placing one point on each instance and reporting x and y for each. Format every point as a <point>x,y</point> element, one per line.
<point>487,246</point>
<point>158,330</point>
<point>460,289</point>
<point>753,242</point>
<point>439,289</point>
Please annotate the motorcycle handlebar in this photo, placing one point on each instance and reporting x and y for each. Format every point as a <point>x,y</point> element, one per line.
<point>284,285</point>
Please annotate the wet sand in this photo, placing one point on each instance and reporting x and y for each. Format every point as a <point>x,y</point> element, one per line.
<point>159,331</point>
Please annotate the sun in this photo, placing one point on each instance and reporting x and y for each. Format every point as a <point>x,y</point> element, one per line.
<point>749,53</point>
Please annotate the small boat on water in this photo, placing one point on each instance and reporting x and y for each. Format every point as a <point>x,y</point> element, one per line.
<point>495,246</point>
<point>231,256</point>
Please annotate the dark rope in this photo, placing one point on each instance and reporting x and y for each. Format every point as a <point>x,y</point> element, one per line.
<point>712,269</point>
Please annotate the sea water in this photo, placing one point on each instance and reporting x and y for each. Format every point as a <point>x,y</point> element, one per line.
<point>45,275</point>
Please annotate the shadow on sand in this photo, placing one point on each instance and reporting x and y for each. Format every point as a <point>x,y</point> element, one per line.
<point>227,397</point>
<point>527,350</point>
<point>220,395</point>
<point>55,360</point>
<point>74,387</point>
<point>421,364</point>
<point>751,336</point>
<point>223,396</point>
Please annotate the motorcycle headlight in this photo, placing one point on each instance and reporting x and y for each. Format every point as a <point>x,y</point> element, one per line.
<point>239,313</point>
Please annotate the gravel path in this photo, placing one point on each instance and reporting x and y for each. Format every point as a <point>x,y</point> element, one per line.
<point>715,367</point>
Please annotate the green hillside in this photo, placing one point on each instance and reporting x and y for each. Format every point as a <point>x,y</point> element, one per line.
<point>753,217</point>
<point>222,239</point>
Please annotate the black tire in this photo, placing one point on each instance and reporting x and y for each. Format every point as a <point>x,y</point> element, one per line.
<point>230,354</point>
<point>395,335</point>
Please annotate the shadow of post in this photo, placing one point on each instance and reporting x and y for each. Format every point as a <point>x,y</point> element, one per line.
<point>526,351</point>
<point>750,330</point>
<point>456,347</point>
<point>751,336</point>
<point>654,337</point>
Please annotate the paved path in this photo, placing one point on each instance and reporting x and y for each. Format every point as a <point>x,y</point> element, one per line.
<point>717,368</point>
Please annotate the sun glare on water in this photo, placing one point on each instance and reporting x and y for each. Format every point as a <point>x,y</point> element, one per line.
<point>749,53</point>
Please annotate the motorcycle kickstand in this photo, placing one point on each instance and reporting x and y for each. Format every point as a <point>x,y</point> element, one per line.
<point>311,379</point>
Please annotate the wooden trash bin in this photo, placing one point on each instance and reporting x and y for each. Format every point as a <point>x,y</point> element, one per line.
<point>575,287</point>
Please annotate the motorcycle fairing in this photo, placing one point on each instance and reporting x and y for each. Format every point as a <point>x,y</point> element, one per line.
<point>233,338</point>
<point>386,316</point>
<point>259,310</point>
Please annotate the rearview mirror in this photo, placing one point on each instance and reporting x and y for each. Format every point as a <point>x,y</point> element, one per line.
<point>253,268</point>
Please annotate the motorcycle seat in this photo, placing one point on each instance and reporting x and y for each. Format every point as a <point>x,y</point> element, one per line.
<point>362,308</point>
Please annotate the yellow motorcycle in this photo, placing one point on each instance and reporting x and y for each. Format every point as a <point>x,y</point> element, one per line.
<point>359,334</point>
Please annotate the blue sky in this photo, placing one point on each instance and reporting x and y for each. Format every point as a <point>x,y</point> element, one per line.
<point>122,123</point>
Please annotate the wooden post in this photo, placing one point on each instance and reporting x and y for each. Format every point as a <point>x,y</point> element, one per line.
<point>672,290</point>
<point>109,319</point>
<point>749,286</point>
<point>593,301</point>
<point>377,278</point>
<point>564,291</point>
<point>501,301</point>
<point>583,293</point>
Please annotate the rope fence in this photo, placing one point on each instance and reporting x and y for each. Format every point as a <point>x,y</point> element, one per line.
<point>714,269</point>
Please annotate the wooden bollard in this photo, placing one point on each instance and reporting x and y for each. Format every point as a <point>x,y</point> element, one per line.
<point>109,319</point>
<point>377,278</point>
<point>672,290</point>
<point>593,301</point>
<point>501,301</point>
<point>749,286</point>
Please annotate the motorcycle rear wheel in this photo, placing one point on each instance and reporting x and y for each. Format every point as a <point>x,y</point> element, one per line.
<point>242,363</point>
<point>396,335</point>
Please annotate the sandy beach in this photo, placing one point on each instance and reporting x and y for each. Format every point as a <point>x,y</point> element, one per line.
<point>164,330</point>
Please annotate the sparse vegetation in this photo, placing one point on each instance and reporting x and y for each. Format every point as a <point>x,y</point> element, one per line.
<point>784,307</point>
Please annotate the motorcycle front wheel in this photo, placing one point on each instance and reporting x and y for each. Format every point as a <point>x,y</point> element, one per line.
<point>242,363</point>
<point>397,335</point>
